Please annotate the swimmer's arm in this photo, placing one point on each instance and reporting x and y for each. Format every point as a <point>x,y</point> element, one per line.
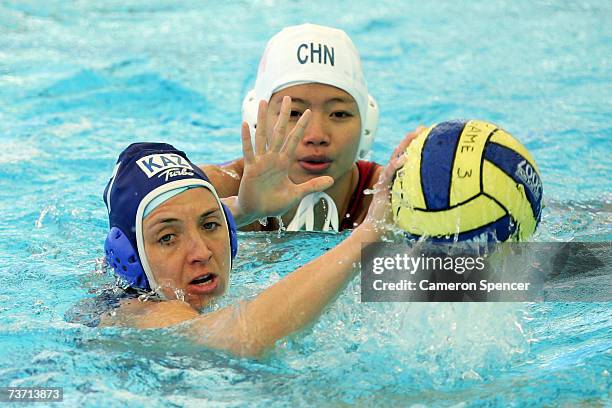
<point>225,177</point>
<point>299,298</point>
<point>250,328</point>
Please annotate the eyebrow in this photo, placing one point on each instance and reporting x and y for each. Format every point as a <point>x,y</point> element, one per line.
<point>332,100</point>
<point>202,216</point>
<point>166,221</point>
<point>341,100</point>
<point>208,213</point>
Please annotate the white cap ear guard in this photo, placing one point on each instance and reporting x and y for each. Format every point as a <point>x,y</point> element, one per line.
<point>310,53</point>
<point>369,128</point>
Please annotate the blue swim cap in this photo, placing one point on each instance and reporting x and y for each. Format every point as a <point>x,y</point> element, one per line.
<point>143,172</point>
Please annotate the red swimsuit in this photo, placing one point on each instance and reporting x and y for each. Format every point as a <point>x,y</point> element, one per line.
<point>366,171</point>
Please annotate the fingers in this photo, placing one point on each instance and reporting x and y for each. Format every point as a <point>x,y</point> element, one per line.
<point>397,159</point>
<point>314,185</point>
<point>386,177</point>
<point>280,128</point>
<point>296,134</point>
<point>403,145</point>
<point>260,130</point>
<point>247,146</point>
<point>380,207</point>
<point>391,168</point>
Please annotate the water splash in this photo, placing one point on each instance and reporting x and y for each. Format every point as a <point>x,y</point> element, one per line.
<point>233,174</point>
<point>281,227</point>
<point>101,266</point>
<point>48,209</point>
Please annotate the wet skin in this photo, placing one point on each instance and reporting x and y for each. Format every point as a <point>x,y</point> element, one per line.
<point>187,246</point>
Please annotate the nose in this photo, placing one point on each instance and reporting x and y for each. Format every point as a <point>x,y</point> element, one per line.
<point>198,249</point>
<point>317,132</point>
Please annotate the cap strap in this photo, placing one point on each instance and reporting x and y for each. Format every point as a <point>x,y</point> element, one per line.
<point>304,216</point>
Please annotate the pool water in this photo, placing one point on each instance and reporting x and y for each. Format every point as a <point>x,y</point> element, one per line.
<point>81,80</point>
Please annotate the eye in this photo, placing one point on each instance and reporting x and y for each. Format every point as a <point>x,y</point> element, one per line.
<point>295,114</point>
<point>342,114</point>
<point>166,239</point>
<point>211,225</point>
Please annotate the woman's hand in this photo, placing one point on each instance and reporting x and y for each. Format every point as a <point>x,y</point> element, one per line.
<point>379,213</point>
<point>266,189</point>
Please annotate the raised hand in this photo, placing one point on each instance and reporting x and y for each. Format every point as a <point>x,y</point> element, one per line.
<point>379,213</point>
<point>266,189</point>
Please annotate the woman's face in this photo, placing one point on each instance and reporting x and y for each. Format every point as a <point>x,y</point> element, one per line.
<point>187,246</point>
<point>331,140</point>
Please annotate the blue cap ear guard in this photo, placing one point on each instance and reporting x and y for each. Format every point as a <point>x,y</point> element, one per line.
<point>120,255</point>
<point>143,170</point>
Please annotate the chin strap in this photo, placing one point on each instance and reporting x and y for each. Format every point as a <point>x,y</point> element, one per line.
<point>304,216</point>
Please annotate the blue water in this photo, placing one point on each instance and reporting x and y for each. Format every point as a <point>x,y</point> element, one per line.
<point>81,80</point>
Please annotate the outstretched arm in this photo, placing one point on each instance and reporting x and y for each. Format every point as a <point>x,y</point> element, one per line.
<point>299,298</point>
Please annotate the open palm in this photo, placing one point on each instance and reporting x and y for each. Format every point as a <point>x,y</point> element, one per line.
<point>265,188</point>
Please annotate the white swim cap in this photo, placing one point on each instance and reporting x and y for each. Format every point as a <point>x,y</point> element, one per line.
<point>310,53</point>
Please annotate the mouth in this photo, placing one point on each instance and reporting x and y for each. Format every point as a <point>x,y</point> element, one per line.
<point>204,284</point>
<point>315,164</point>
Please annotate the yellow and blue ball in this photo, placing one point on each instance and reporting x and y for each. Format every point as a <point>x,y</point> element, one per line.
<point>467,181</point>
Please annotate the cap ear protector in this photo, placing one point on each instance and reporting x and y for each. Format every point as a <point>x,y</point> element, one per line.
<point>370,126</point>
<point>250,106</point>
<point>121,256</point>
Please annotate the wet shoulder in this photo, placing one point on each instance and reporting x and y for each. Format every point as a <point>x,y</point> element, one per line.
<point>91,311</point>
<point>225,177</point>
